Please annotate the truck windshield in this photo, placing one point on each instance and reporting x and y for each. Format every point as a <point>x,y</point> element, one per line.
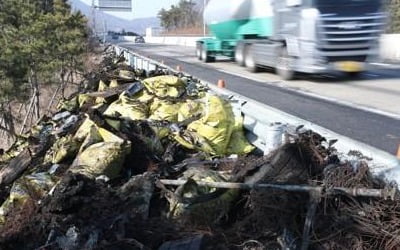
<point>348,7</point>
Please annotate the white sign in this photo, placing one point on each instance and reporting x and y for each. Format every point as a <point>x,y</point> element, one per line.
<point>292,3</point>
<point>115,5</point>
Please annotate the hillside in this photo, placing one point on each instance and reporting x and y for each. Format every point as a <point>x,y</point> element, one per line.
<point>114,23</point>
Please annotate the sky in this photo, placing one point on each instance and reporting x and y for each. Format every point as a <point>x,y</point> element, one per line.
<point>150,8</point>
<point>141,8</point>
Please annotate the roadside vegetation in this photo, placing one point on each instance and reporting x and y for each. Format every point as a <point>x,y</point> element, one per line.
<point>43,45</point>
<point>394,18</point>
<point>185,15</point>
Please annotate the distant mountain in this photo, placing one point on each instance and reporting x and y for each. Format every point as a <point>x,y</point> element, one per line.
<point>139,25</point>
<point>114,23</point>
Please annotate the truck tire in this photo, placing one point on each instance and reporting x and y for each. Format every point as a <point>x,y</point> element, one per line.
<point>239,54</point>
<point>284,65</point>
<point>249,59</point>
<point>205,55</point>
<point>198,50</point>
<point>354,75</point>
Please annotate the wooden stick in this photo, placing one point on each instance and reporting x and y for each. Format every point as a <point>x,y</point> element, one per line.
<point>363,192</point>
<point>27,114</point>
<point>312,209</point>
<point>15,168</point>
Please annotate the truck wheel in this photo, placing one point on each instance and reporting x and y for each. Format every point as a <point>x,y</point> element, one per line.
<point>354,75</point>
<point>205,55</point>
<point>249,61</point>
<point>239,51</point>
<point>284,65</point>
<point>198,50</point>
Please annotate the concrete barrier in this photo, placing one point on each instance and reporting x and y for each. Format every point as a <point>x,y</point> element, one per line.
<point>189,41</point>
<point>128,38</point>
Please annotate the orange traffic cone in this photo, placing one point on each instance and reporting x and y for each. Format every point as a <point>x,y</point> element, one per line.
<point>221,83</point>
<point>398,152</point>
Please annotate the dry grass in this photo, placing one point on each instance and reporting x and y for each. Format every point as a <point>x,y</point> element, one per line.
<point>196,31</point>
<point>20,110</point>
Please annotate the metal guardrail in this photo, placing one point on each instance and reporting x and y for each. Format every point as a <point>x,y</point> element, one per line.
<point>264,123</point>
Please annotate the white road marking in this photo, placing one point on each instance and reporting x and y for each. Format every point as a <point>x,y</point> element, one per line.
<point>318,96</point>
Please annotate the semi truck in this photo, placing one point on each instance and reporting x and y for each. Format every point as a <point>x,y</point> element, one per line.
<point>290,36</point>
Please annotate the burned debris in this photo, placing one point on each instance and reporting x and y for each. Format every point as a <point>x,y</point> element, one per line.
<point>153,160</point>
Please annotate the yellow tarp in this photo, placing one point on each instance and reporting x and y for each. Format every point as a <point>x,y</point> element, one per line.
<point>189,109</point>
<point>63,148</point>
<point>35,185</point>
<point>127,108</point>
<point>238,143</point>
<point>104,158</point>
<point>209,211</point>
<point>126,74</point>
<point>163,110</point>
<point>213,130</point>
<point>165,86</point>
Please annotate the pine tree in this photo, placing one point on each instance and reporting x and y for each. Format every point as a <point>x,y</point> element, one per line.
<point>182,15</point>
<point>42,41</point>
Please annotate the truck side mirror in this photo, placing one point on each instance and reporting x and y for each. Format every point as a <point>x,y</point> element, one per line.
<point>293,3</point>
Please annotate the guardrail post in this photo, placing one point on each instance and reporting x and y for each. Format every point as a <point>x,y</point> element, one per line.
<point>126,56</point>
<point>132,60</point>
<point>274,137</point>
<point>135,62</point>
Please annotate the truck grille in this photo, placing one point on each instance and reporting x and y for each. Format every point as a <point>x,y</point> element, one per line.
<point>349,38</point>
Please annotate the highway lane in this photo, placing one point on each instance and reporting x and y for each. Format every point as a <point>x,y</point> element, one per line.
<point>336,112</point>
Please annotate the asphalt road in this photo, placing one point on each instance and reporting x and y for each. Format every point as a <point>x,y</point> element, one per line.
<point>335,103</point>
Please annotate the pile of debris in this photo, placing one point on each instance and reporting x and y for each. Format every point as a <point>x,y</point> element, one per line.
<point>152,160</point>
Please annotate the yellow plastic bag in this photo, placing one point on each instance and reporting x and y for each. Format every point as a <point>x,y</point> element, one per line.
<point>89,133</point>
<point>209,211</point>
<point>115,124</point>
<point>144,97</point>
<point>34,185</point>
<point>69,105</point>
<point>113,83</point>
<point>107,136</point>
<point>213,130</point>
<point>18,146</point>
<point>83,99</point>
<point>83,130</point>
<point>189,109</point>
<point>102,87</point>
<point>165,86</point>
<point>126,74</point>
<point>91,138</point>
<point>104,158</point>
<point>163,110</point>
<point>127,108</point>
<point>65,147</point>
<point>238,144</point>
